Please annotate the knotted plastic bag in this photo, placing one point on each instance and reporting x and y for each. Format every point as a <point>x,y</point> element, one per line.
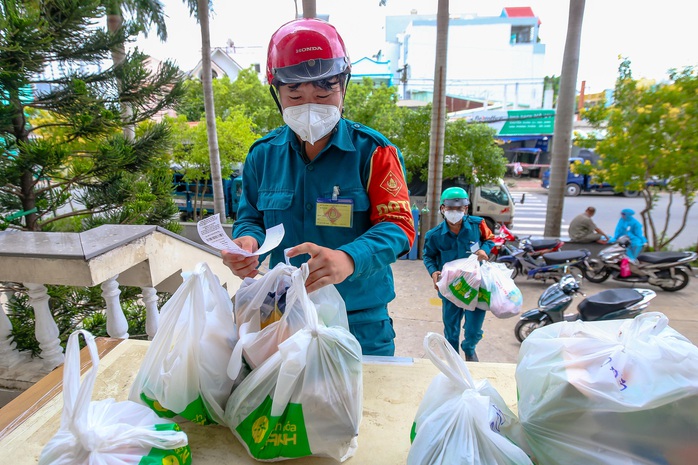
<point>460,421</point>
<point>107,432</point>
<point>612,392</point>
<point>306,399</point>
<point>184,370</point>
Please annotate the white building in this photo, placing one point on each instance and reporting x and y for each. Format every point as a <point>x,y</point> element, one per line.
<point>495,60</point>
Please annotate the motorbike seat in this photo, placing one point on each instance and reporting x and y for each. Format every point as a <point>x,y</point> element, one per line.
<point>610,300</point>
<point>557,258</point>
<point>662,257</point>
<point>542,244</point>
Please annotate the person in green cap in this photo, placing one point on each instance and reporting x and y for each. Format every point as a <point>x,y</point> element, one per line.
<point>460,236</point>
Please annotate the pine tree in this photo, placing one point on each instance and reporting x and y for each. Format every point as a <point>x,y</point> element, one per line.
<point>61,120</point>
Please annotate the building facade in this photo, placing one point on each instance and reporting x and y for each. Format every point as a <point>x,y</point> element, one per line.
<point>495,60</point>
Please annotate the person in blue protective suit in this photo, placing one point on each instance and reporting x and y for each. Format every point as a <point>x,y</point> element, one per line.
<point>458,237</point>
<point>629,226</point>
<point>338,187</point>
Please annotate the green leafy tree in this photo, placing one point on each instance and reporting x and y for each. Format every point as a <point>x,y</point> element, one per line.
<point>651,132</point>
<point>74,153</point>
<point>246,93</point>
<point>190,151</point>
<point>374,106</point>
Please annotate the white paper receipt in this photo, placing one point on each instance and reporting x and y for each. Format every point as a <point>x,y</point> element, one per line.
<point>212,233</point>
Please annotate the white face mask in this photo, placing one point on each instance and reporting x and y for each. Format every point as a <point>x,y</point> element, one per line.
<point>312,121</point>
<point>453,216</point>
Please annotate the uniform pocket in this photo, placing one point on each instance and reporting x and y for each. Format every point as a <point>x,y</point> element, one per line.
<point>274,205</point>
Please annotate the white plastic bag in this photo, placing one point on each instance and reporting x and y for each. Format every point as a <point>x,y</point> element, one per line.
<point>268,295</point>
<point>460,282</point>
<point>498,292</point>
<point>306,399</point>
<point>615,392</point>
<point>184,370</point>
<point>107,432</point>
<point>460,421</point>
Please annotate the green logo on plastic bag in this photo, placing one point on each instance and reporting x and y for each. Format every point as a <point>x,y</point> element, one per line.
<point>483,295</point>
<point>269,437</point>
<point>462,291</point>
<point>179,456</point>
<point>413,432</point>
<point>196,412</point>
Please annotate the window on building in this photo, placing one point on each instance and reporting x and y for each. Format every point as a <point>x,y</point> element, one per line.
<point>521,34</point>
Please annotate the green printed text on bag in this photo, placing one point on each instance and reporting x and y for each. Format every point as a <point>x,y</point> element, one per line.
<point>462,291</point>
<point>179,456</point>
<point>269,437</point>
<point>195,412</point>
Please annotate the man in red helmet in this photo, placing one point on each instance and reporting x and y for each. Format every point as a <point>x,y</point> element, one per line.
<point>338,187</point>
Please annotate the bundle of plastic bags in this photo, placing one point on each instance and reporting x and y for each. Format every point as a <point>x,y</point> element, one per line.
<point>107,432</point>
<point>460,421</point>
<point>306,398</point>
<point>612,392</point>
<point>460,282</point>
<point>184,370</point>
<point>498,292</point>
<point>266,318</point>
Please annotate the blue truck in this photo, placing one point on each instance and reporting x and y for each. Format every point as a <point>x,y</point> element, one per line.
<point>576,184</point>
<point>185,196</point>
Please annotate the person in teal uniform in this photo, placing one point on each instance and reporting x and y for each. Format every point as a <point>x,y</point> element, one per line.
<point>459,236</point>
<point>337,186</point>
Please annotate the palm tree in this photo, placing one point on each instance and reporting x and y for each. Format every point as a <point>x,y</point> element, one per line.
<point>438,118</point>
<point>564,120</point>
<point>146,13</point>
<point>199,9</point>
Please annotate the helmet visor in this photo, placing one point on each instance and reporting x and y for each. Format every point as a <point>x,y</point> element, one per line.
<point>456,202</point>
<point>311,70</point>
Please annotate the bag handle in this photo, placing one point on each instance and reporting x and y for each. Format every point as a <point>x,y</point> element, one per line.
<point>448,361</point>
<point>77,396</point>
<point>643,326</point>
<point>298,293</point>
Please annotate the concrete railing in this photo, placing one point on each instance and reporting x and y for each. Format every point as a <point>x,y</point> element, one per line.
<point>148,257</point>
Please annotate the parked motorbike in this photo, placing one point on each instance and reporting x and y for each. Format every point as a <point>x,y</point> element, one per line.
<point>611,304</point>
<point>668,270</point>
<point>552,265</point>
<point>501,238</point>
<point>538,246</point>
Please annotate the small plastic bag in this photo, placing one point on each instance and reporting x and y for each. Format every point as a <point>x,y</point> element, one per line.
<point>184,370</point>
<point>107,432</point>
<point>625,267</point>
<point>259,339</point>
<point>615,392</point>
<point>306,399</point>
<point>460,421</point>
<point>460,282</point>
<point>498,292</point>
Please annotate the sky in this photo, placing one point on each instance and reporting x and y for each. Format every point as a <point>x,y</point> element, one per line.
<point>655,36</point>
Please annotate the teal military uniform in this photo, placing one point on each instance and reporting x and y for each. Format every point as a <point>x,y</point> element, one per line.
<point>441,246</point>
<point>281,187</point>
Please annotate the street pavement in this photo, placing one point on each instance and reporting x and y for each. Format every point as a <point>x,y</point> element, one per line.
<point>416,311</point>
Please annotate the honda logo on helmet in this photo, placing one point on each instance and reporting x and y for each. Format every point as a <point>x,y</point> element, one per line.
<point>308,49</point>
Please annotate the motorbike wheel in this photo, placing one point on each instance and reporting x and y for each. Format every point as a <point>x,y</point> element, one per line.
<point>680,281</point>
<point>524,328</point>
<point>514,269</point>
<point>596,272</point>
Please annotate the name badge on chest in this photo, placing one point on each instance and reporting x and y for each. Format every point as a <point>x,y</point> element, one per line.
<point>336,213</point>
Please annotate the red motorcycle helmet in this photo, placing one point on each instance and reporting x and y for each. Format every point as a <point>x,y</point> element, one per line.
<point>306,50</point>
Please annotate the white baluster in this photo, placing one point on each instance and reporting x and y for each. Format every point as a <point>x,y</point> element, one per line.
<point>9,357</point>
<point>46,329</point>
<point>152,315</point>
<point>117,326</point>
